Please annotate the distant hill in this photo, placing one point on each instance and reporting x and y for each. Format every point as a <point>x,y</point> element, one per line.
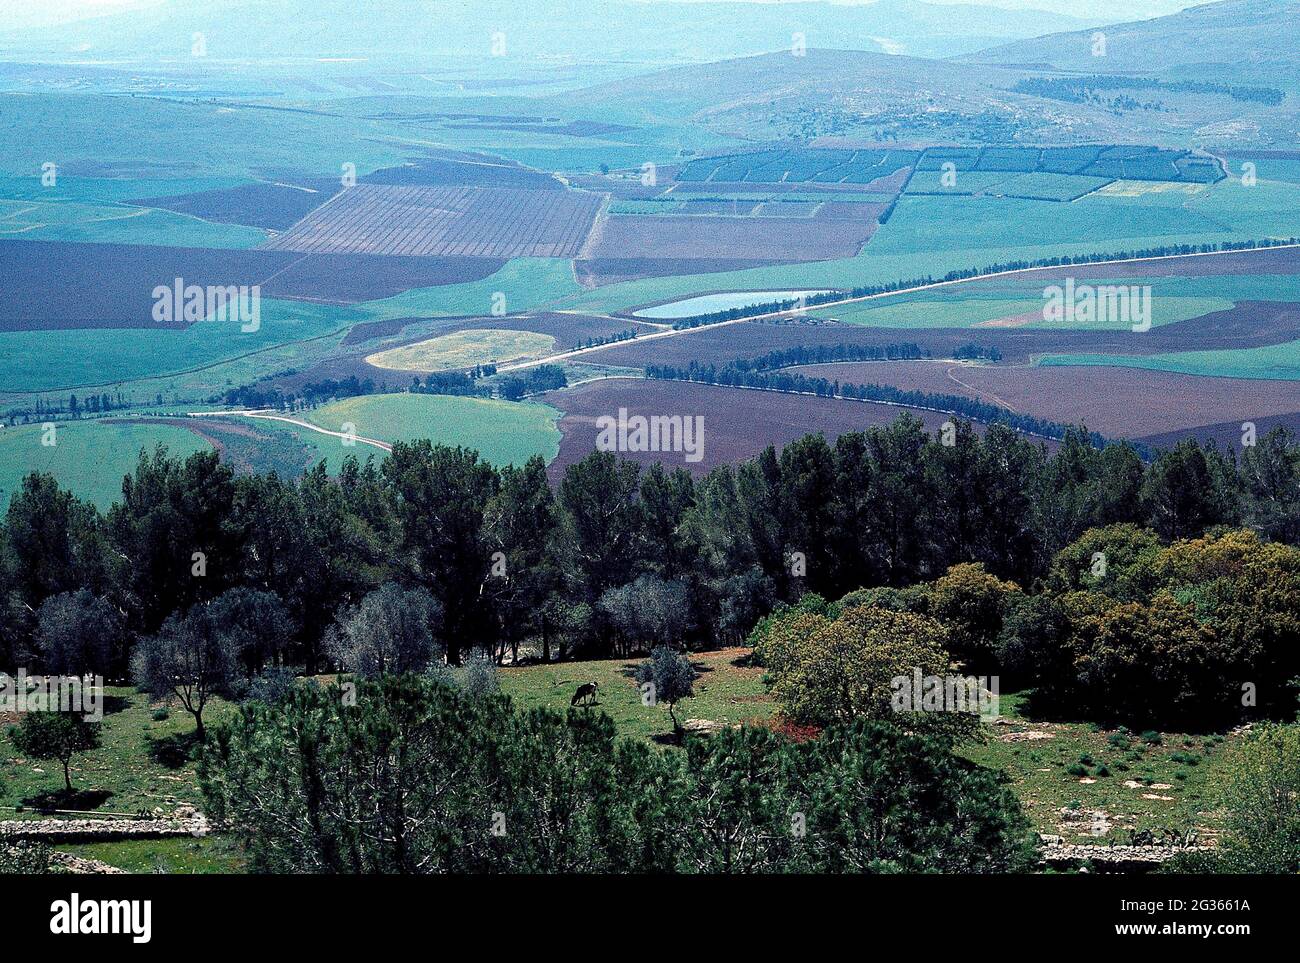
<point>853,94</point>
<point>410,32</point>
<point>1256,41</point>
<point>1224,74</point>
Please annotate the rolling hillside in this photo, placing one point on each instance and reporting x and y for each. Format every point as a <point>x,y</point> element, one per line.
<point>1253,41</point>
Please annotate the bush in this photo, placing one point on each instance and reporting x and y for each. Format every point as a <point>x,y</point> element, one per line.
<point>24,858</point>
<point>478,677</point>
<point>391,630</point>
<point>273,684</point>
<point>1258,788</point>
<point>824,672</point>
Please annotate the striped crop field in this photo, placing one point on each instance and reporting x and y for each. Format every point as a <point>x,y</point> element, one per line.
<point>494,222</point>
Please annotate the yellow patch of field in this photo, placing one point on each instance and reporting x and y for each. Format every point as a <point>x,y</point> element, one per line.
<point>464,349</point>
<point>1138,188</point>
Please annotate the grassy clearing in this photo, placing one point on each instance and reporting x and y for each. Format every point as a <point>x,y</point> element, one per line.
<point>1073,779</point>
<point>142,764</point>
<point>1066,772</point>
<point>728,692</point>
<point>464,349</point>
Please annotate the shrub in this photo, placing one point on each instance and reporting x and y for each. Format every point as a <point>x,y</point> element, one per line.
<point>273,684</point>
<point>478,677</point>
<point>825,672</point>
<point>391,630</point>
<point>23,857</point>
<point>1258,788</point>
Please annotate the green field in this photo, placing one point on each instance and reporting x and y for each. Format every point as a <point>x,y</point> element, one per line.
<point>464,349</point>
<point>503,432</point>
<point>117,224</point>
<point>142,763</point>
<point>935,311</point>
<point>1122,770</point>
<point>728,692</point>
<point>89,457</point>
<point>1274,363</point>
<point>139,135</point>
<point>965,182</point>
<point>1035,754</point>
<point>1064,773</point>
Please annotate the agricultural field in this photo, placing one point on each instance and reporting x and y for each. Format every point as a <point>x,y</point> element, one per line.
<point>446,221</point>
<point>117,224</point>
<point>929,235</point>
<point>267,205</point>
<point>738,423</point>
<point>716,238</point>
<point>857,167</point>
<point>1118,402</point>
<point>503,432</point>
<point>212,355</point>
<point>89,457</point>
<point>464,349</point>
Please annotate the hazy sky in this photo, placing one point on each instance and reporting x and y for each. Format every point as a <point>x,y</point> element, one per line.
<point>21,13</point>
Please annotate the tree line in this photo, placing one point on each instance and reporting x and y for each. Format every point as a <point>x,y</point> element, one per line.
<point>761,373</point>
<point>211,576</point>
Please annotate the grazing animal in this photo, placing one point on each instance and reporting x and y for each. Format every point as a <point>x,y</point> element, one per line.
<point>585,695</point>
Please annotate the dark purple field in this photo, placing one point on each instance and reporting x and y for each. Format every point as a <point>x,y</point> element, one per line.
<point>54,284</point>
<point>788,239</point>
<point>738,423</point>
<point>349,278</point>
<point>610,270</point>
<point>51,285</point>
<point>274,207</point>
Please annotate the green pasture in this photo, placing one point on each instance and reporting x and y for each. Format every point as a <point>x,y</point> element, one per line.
<point>89,457</point>
<point>503,432</point>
